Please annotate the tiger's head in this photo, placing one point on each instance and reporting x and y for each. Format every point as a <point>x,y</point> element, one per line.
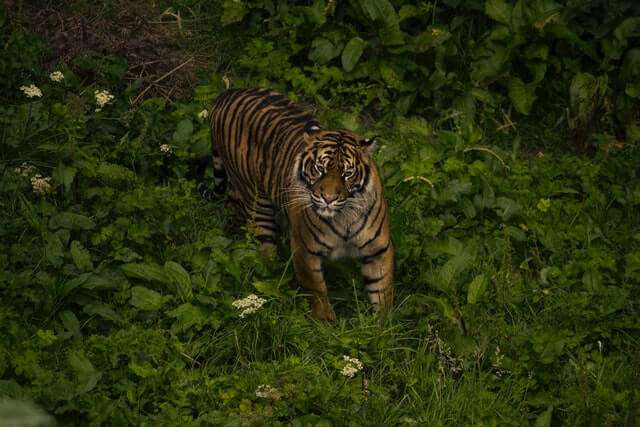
<point>335,170</point>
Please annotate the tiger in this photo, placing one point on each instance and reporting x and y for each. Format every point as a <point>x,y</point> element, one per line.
<point>278,159</point>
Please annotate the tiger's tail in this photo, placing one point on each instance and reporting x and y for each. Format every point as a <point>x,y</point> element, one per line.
<point>219,177</point>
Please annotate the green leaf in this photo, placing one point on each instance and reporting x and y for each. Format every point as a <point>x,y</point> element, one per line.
<point>24,414</point>
<point>148,272</point>
<point>103,311</point>
<point>143,369</point>
<point>522,95</point>
<point>54,251</point>
<point>64,175</point>
<point>544,419</point>
<point>145,299</point>
<point>180,279</point>
<point>189,316</point>
<point>391,75</point>
<point>81,256</point>
<point>507,208</point>
<point>86,375</point>
<point>268,287</point>
<point>115,173</point>
<point>233,11</point>
<point>352,53</point>
<point>71,323</point>
<point>183,132</point>
<point>477,287</point>
<point>323,50</point>
<point>71,221</point>
<point>498,10</point>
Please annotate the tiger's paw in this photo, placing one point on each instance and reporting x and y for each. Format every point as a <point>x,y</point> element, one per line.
<point>321,310</point>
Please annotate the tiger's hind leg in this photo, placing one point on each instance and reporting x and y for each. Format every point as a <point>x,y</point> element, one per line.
<point>261,214</point>
<point>219,178</point>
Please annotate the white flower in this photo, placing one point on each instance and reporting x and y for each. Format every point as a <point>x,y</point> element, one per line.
<point>249,305</point>
<point>165,148</point>
<point>56,76</point>
<point>103,97</point>
<point>352,367</point>
<point>24,169</point>
<point>265,391</point>
<point>203,114</point>
<point>41,184</point>
<point>31,91</point>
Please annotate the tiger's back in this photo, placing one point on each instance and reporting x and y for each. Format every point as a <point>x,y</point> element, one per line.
<point>277,158</point>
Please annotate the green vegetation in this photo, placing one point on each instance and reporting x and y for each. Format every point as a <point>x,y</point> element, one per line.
<point>509,148</point>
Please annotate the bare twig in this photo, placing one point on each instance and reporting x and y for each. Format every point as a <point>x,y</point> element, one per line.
<point>159,79</point>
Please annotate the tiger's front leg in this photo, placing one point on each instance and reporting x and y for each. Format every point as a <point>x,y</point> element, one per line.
<point>308,269</point>
<point>377,273</point>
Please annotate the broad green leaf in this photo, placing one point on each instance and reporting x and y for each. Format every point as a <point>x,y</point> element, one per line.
<point>64,175</point>
<point>70,322</point>
<point>477,287</point>
<point>544,419</point>
<point>352,53</point>
<point>54,251</point>
<point>233,11</point>
<point>114,172</point>
<point>499,10</point>
<point>180,279</point>
<point>87,376</point>
<point>507,208</point>
<point>24,414</point>
<point>268,287</point>
<point>491,66</point>
<point>391,75</point>
<point>445,306</point>
<point>323,50</point>
<point>103,311</point>
<point>148,272</point>
<point>145,299</point>
<point>143,369</point>
<point>189,316</point>
<point>81,256</point>
<point>71,221</point>
<point>183,132</point>
<point>522,95</point>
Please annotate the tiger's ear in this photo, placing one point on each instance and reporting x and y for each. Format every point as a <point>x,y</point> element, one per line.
<point>369,145</point>
<point>309,131</point>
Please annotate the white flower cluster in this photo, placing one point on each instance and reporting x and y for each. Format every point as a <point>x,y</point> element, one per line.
<point>165,148</point>
<point>56,76</point>
<point>41,184</point>
<point>265,391</point>
<point>203,114</point>
<point>249,305</point>
<point>103,97</point>
<point>31,91</point>
<point>352,367</point>
<point>25,169</point>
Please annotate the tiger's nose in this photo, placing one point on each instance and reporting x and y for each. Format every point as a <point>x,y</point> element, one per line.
<point>328,197</point>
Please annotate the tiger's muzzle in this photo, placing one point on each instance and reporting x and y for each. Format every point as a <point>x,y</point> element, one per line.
<point>329,194</point>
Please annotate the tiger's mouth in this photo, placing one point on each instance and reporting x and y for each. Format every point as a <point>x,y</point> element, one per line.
<point>327,210</point>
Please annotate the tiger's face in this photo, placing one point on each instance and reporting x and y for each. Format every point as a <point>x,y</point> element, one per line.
<point>334,169</point>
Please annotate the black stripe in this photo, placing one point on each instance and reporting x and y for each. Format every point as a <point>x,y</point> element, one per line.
<point>375,236</point>
<point>365,218</point>
<point>314,253</point>
<point>371,280</point>
<point>264,238</point>
<point>370,258</point>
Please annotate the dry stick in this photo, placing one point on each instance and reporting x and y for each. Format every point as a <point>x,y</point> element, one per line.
<point>159,79</point>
